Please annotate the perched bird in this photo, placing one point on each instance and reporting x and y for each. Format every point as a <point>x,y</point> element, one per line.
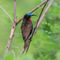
<point>26,29</point>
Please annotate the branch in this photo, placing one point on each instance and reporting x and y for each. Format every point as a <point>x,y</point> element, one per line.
<point>14,10</point>
<point>12,29</point>
<point>45,13</point>
<point>10,38</point>
<point>38,6</point>
<point>38,20</point>
<point>41,19</point>
<point>6,14</point>
<point>35,27</point>
<point>16,22</point>
<point>32,10</point>
<point>41,13</point>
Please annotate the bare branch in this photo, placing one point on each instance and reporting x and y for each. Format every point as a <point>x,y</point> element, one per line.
<point>14,10</point>
<point>41,12</point>
<point>10,38</point>
<point>45,13</point>
<point>22,51</point>
<point>38,6</point>
<point>34,29</point>
<point>32,10</point>
<point>38,20</point>
<point>7,14</point>
<point>41,19</point>
<point>12,29</point>
<point>15,21</point>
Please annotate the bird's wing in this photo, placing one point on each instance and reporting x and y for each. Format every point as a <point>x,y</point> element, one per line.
<point>26,30</point>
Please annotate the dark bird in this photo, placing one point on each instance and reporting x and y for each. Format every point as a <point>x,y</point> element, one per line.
<point>26,29</point>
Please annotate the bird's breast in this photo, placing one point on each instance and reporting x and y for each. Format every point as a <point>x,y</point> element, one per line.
<point>26,28</point>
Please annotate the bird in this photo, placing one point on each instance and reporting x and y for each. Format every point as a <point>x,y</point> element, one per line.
<point>26,29</point>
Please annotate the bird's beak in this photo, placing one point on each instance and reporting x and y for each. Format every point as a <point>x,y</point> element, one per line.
<point>33,15</point>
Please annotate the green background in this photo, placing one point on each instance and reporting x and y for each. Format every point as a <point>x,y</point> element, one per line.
<point>45,44</point>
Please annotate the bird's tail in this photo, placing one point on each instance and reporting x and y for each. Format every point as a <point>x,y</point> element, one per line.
<point>26,47</point>
<point>27,44</point>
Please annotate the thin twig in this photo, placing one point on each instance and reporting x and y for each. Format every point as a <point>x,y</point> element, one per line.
<point>7,14</point>
<point>41,19</point>
<point>34,29</point>
<point>37,6</point>
<point>14,10</point>
<point>44,13</point>
<point>12,29</point>
<point>10,37</point>
<point>14,25</point>
<point>32,10</point>
<point>41,13</point>
<point>38,20</point>
<point>22,51</point>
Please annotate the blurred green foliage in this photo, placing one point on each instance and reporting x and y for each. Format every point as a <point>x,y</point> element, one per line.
<point>45,45</point>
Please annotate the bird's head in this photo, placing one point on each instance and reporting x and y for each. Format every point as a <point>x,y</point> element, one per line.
<point>28,16</point>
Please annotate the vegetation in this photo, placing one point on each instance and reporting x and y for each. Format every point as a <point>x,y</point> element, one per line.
<point>45,44</point>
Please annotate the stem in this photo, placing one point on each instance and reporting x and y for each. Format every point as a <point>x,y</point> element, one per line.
<point>41,19</point>
<point>38,20</point>
<point>14,10</point>
<point>11,36</point>
<point>12,29</point>
<point>6,14</point>
<point>33,10</point>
